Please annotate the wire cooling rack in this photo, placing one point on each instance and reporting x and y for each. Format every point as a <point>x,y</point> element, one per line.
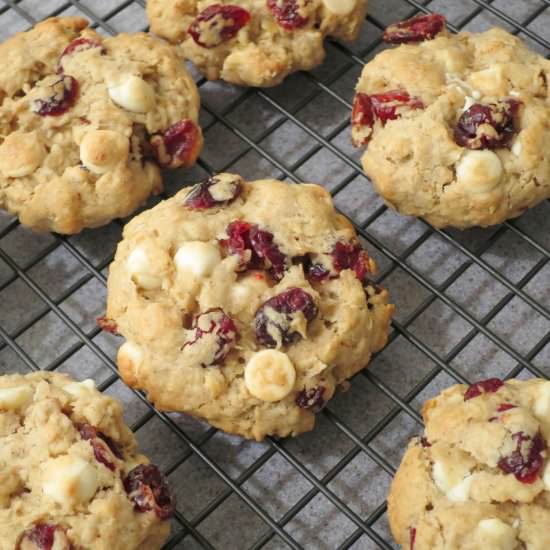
<point>470,304</point>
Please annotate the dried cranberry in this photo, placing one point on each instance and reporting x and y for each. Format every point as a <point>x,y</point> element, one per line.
<point>42,536</point>
<point>215,191</point>
<point>527,460</point>
<point>91,434</point>
<point>108,325</point>
<point>148,489</point>
<point>424,442</point>
<point>288,13</point>
<point>487,126</point>
<point>216,24</point>
<point>178,146</point>
<point>311,399</point>
<point>275,319</point>
<point>62,98</point>
<point>215,322</point>
<point>415,29</point>
<point>367,109</point>
<point>505,407</point>
<point>490,385</point>
<point>412,537</point>
<point>80,45</point>
<point>255,248</point>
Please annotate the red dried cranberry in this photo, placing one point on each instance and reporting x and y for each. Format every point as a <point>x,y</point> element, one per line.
<point>505,407</point>
<point>344,256</point>
<point>91,434</point>
<point>367,109</point>
<point>287,13</point>
<point>491,385</point>
<point>487,126</point>
<point>178,146</point>
<point>216,322</point>
<point>62,98</point>
<point>215,191</point>
<point>424,442</point>
<point>216,24</point>
<point>311,399</point>
<point>274,318</point>
<point>412,537</point>
<point>255,248</point>
<point>415,29</point>
<point>42,536</point>
<point>80,45</point>
<point>148,489</point>
<point>527,460</point>
<point>108,325</point>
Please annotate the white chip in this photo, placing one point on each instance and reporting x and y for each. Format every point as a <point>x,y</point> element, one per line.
<point>133,94</point>
<point>517,148</point>
<point>453,479</point>
<point>197,258</point>
<point>270,375</point>
<point>495,534</point>
<point>102,150</point>
<point>78,389</point>
<point>340,7</point>
<point>15,398</point>
<point>479,171</point>
<point>69,480</point>
<point>140,270</point>
<point>541,407</point>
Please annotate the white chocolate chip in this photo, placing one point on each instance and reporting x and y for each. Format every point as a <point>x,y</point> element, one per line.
<point>102,150</point>
<point>453,479</point>
<point>139,268</point>
<point>269,375</point>
<point>15,398</point>
<point>495,534</point>
<point>479,171</point>
<point>133,94</point>
<point>514,93</point>
<point>340,7</point>
<point>20,155</point>
<point>197,258</point>
<point>78,389</point>
<point>129,351</point>
<point>69,480</point>
<point>542,402</point>
<point>517,148</point>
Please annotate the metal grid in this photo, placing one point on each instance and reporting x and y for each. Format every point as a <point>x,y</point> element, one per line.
<point>472,303</point>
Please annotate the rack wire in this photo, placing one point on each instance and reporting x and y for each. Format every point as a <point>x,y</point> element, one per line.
<point>486,290</point>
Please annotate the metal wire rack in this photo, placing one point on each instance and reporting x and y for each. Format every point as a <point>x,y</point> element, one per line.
<point>470,304</point>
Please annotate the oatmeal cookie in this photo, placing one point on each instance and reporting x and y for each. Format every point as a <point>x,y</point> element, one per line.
<point>455,125</point>
<point>255,42</point>
<point>85,122</point>
<point>70,473</point>
<point>244,303</point>
<point>480,476</point>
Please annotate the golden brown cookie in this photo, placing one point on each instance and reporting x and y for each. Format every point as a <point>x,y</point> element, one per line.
<point>70,474</point>
<point>85,122</point>
<point>255,42</point>
<point>245,303</point>
<point>454,125</point>
<point>479,478</point>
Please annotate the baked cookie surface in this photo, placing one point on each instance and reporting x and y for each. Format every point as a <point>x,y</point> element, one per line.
<point>245,304</point>
<point>85,122</point>
<point>70,474</point>
<point>455,125</point>
<point>480,476</point>
<point>255,42</point>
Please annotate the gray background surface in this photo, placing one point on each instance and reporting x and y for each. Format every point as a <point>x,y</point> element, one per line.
<point>470,304</point>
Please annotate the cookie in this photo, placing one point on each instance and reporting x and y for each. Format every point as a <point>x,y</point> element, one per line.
<point>244,303</point>
<point>70,474</point>
<point>480,476</point>
<point>86,121</point>
<point>255,42</point>
<point>455,125</point>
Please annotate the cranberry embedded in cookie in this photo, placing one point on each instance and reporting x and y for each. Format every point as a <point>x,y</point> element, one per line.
<point>44,536</point>
<point>491,385</point>
<point>290,14</point>
<point>214,293</point>
<point>62,96</point>
<point>415,29</point>
<point>179,145</point>
<point>217,24</point>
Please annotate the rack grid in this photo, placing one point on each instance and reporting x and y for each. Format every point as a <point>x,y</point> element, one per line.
<point>470,304</point>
